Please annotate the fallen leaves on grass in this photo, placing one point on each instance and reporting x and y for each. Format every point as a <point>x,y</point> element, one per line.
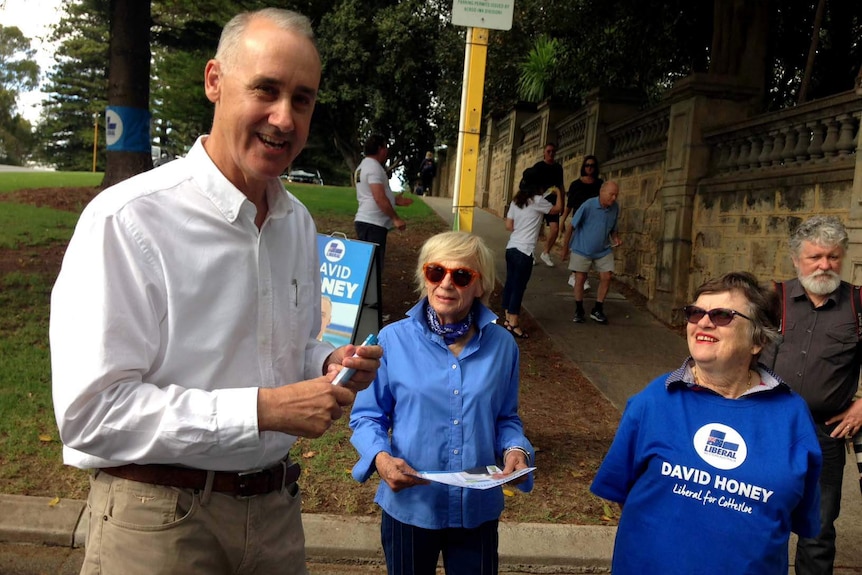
<point>608,513</point>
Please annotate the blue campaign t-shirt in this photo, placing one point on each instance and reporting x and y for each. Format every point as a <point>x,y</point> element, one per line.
<point>709,484</point>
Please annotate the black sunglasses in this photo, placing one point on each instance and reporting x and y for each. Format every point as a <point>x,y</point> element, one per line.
<point>589,165</point>
<point>461,277</point>
<point>720,316</point>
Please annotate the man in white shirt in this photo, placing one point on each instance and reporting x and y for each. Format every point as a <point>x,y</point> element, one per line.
<point>376,213</point>
<point>183,332</point>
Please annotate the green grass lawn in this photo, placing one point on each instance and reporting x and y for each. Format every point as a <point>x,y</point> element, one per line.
<point>341,201</point>
<point>29,226</point>
<point>28,433</point>
<point>11,181</point>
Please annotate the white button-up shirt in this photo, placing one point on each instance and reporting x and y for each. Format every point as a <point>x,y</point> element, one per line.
<point>171,310</point>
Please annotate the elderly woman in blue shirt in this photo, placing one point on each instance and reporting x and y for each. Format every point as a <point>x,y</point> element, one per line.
<point>445,399</point>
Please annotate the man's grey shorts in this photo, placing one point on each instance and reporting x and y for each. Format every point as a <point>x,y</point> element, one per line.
<point>579,263</point>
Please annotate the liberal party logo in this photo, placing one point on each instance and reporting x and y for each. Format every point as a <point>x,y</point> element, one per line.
<point>720,446</point>
<point>334,251</point>
<point>113,127</point>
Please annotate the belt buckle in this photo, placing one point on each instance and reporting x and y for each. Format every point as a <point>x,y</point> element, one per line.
<point>245,481</point>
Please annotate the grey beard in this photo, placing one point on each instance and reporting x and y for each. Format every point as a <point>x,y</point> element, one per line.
<point>817,285</point>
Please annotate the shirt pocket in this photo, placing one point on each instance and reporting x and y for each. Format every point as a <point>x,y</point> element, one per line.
<point>839,342</point>
<point>302,300</point>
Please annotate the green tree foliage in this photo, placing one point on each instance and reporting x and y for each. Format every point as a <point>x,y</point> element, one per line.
<point>185,36</point>
<point>646,46</point>
<point>538,70</point>
<point>380,74</point>
<point>396,66</point>
<point>18,73</point>
<point>77,87</point>
<point>622,44</point>
<point>839,53</point>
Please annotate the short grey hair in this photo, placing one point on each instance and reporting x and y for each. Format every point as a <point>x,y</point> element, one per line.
<point>232,33</point>
<point>458,246</point>
<point>826,231</point>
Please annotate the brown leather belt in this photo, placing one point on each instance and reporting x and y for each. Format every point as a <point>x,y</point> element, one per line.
<point>244,484</point>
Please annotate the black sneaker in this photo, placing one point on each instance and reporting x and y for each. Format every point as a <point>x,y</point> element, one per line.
<point>579,317</point>
<point>598,316</point>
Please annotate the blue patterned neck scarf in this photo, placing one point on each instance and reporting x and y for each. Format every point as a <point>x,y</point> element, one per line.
<point>450,332</point>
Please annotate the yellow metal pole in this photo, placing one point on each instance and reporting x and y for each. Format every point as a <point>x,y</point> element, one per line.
<point>471,122</point>
<point>95,138</point>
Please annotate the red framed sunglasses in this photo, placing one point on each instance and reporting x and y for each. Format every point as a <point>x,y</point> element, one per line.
<point>461,277</point>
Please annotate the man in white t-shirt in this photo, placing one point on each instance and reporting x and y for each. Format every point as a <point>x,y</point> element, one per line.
<point>376,213</point>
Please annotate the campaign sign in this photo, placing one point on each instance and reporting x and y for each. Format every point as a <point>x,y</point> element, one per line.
<point>127,129</point>
<point>344,272</point>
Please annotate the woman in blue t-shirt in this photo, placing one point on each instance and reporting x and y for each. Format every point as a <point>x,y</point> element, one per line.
<point>717,462</point>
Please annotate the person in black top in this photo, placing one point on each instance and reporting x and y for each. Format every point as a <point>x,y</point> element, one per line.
<point>585,187</point>
<point>427,171</point>
<point>550,177</point>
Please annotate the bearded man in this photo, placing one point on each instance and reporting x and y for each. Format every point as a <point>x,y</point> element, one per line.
<point>820,358</point>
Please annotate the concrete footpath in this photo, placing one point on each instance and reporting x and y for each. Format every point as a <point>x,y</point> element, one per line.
<point>619,359</point>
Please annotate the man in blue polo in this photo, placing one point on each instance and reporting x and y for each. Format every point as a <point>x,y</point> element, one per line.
<point>591,238</point>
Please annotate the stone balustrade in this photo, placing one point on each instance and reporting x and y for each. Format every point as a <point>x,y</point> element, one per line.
<point>814,133</point>
<point>532,132</point>
<point>644,133</point>
<point>572,133</point>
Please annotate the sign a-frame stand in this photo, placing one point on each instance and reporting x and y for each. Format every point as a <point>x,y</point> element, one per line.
<point>478,16</point>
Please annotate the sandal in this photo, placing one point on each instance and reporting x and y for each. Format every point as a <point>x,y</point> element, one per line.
<point>516,331</point>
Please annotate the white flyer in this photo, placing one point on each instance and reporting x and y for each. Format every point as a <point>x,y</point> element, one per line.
<point>478,478</point>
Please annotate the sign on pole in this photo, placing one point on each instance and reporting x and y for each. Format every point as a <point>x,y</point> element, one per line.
<point>492,14</point>
<point>478,16</point>
<point>469,128</point>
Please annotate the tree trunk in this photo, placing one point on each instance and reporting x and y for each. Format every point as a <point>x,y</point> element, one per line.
<point>128,79</point>
<point>739,42</point>
<point>812,50</point>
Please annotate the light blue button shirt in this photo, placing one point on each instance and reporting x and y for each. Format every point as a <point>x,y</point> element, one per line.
<point>593,225</point>
<point>446,413</point>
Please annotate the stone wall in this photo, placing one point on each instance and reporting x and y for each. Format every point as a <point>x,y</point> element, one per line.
<point>744,223</point>
<point>769,173</point>
<point>705,186</point>
<point>636,157</point>
<point>640,224</point>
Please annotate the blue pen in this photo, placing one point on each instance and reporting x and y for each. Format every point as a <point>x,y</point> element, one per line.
<point>347,372</point>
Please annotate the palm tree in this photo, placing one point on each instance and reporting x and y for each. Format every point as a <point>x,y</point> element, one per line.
<point>538,70</point>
